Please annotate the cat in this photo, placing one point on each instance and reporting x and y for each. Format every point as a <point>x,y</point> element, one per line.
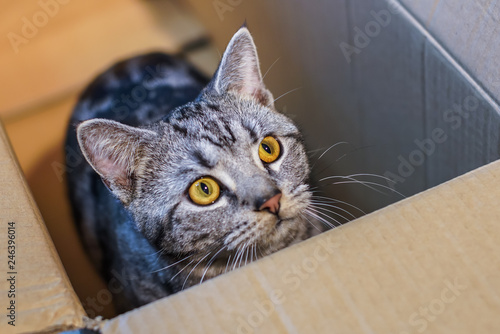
<point>184,178</point>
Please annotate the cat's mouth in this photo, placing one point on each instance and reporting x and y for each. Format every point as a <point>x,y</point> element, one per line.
<point>278,223</point>
<point>249,247</point>
<point>282,220</point>
<point>268,234</point>
<point>252,239</point>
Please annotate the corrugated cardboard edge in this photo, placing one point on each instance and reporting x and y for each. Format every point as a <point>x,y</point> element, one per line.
<point>434,252</point>
<point>45,299</point>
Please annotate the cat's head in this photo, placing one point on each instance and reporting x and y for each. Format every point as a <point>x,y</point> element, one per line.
<point>224,174</point>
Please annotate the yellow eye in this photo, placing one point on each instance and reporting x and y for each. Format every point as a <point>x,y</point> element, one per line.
<point>269,149</point>
<point>204,191</point>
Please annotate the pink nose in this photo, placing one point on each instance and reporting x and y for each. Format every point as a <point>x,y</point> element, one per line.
<point>272,204</point>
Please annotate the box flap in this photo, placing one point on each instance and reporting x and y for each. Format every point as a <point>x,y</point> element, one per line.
<point>426,263</point>
<point>33,279</point>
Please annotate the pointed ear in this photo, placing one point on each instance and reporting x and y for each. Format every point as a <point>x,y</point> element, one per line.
<point>113,150</point>
<point>239,70</point>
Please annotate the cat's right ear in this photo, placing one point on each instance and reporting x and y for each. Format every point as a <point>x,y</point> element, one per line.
<point>239,70</point>
<point>113,150</point>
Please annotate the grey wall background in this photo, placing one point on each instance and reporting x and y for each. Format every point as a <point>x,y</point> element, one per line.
<point>416,97</point>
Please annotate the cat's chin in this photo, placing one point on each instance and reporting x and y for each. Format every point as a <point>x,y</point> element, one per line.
<point>285,232</point>
<point>268,233</point>
<point>267,237</point>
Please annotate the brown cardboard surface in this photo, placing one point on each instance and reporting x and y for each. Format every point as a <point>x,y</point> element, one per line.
<point>429,263</point>
<point>44,298</point>
<point>38,139</point>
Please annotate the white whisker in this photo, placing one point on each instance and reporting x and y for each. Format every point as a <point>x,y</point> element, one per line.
<point>264,76</point>
<point>316,207</point>
<point>173,264</point>
<point>314,225</point>
<point>338,201</point>
<point>359,174</point>
<point>324,214</point>
<point>181,270</point>
<point>326,151</point>
<point>321,219</point>
<point>333,206</point>
<point>282,95</point>
<point>194,269</point>
<point>227,264</point>
<point>366,184</point>
<point>246,256</point>
<point>236,258</point>
<point>210,263</point>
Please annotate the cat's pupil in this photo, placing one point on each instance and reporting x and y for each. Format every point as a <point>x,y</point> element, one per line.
<point>204,188</point>
<point>266,148</point>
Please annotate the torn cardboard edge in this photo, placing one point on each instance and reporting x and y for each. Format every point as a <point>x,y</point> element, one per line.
<point>38,294</point>
<point>429,261</point>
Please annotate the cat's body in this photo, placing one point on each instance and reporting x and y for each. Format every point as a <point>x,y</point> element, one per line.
<point>140,216</point>
<point>119,250</point>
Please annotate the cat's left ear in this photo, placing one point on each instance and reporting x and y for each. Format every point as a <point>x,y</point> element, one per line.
<point>113,150</point>
<point>239,70</point>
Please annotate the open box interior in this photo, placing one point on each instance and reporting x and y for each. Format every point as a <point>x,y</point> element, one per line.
<point>413,88</point>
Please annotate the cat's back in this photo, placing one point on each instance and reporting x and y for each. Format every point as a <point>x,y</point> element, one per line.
<point>136,92</point>
<point>140,90</point>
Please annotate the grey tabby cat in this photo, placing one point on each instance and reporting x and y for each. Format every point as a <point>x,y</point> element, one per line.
<point>196,179</point>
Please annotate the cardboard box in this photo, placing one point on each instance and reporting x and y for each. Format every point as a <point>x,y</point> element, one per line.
<point>426,264</point>
<point>34,284</point>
